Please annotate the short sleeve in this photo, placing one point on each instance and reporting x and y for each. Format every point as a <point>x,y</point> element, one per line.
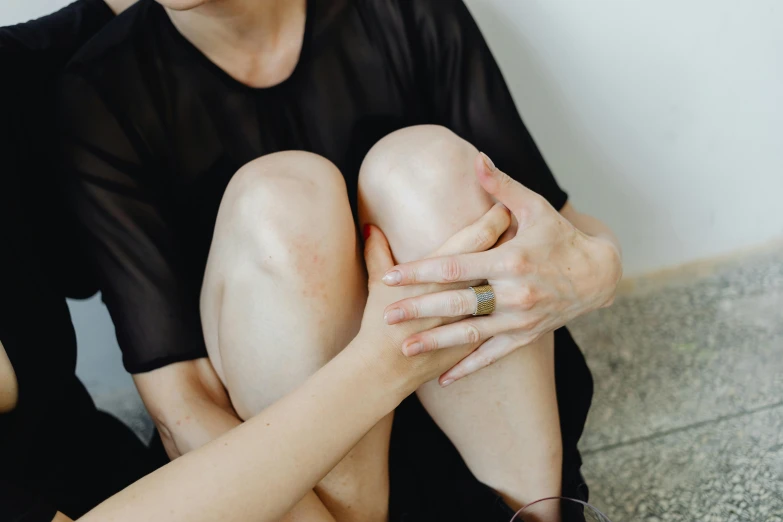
<point>467,93</point>
<point>118,195</point>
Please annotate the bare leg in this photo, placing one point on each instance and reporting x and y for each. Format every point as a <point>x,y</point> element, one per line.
<point>283,293</point>
<point>419,187</point>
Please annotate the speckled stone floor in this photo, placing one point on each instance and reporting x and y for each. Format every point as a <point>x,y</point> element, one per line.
<point>687,419</point>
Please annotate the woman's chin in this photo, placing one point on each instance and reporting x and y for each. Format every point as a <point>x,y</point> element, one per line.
<point>182,5</point>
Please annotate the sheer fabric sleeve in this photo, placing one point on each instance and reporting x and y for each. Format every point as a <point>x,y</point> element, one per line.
<point>468,93</point>
<point>118,196</point>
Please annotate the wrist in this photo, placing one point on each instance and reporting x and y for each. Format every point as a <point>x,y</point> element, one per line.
<point>607,251</point>
<point>385,363</point>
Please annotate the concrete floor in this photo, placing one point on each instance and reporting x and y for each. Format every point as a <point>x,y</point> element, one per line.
<point>687,420</point>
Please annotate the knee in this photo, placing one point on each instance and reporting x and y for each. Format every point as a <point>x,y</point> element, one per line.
<point>419,159</point>
<point>284,195</point>
<point>420,179</point>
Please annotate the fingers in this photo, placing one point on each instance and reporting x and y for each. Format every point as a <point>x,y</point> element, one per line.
<point>478,266</point>
<point>479,236</point>
<point>503,187</point>
<point>453,303</point>
<point>377,253</point>
<point>468,331</point>
<point>486,354</point>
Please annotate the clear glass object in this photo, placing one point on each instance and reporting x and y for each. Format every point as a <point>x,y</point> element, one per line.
<point>559,509</point>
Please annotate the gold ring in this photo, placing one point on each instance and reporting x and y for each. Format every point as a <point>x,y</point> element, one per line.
<point>485,299</point>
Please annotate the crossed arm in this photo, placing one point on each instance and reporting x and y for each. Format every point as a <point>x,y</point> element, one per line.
<point>266,465</point>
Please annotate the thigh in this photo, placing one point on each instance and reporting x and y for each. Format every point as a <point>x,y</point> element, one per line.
<point>284,286</point>
<point>284,291</point>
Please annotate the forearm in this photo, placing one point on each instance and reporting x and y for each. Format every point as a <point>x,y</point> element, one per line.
<point>198,422</point>
<point>202,414</point>
<point>270,462</point>
<point>591,226</point>
<point>606,254</point>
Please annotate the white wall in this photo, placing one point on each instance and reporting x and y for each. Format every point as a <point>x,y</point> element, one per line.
<point>15,11</point>
<point>663,117</point>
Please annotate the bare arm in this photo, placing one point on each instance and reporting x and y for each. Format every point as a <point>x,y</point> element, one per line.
<point>188,404</point>
<point>9,388</point>
<point>266,465</point>
<point>262,468</point>
<point>590,225</point>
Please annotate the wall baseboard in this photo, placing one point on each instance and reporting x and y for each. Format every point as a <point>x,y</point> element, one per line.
<point>687,273</point>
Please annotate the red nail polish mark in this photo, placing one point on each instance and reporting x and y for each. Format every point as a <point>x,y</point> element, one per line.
<point>366,231</point>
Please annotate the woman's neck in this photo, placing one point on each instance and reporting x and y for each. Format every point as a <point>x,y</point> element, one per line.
<point>258,42</point>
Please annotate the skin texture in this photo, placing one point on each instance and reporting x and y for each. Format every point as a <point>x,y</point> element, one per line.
<point>549,271</point>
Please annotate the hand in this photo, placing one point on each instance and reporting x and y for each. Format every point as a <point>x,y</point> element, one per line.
<point>477,237</point>
<point>544,275</point>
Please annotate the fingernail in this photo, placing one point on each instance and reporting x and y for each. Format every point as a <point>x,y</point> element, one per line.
<point>412,349</point>
<point>446,383</point>
<point>488,162</point>
<point>366,231</point>
<point>394,316</point>
<point>392,278</point>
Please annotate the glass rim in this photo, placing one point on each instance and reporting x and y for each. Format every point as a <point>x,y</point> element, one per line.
<point>561,499</point>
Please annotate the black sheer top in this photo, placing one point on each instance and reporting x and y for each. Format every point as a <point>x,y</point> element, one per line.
<point>153,132</point>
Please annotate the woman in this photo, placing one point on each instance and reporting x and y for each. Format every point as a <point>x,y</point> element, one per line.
<point>57,450</point>
<point>185,124</point>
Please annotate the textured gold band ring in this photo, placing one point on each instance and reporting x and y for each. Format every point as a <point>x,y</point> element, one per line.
<point>485,299</point>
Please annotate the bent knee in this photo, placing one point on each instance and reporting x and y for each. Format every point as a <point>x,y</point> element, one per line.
<point>285,194</point>
<point>420,179</point>
<point>283,181</point>
<point>423,156</point>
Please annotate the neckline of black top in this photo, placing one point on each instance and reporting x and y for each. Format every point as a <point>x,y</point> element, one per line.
<point>230,81</point>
